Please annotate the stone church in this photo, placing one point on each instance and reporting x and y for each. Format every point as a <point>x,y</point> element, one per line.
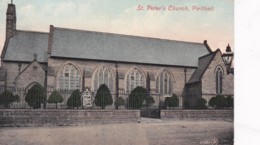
<point>69,59</point>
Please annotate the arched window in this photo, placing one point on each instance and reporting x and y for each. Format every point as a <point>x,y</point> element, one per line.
<point>164,83</point>
<point>134,78</point>
<point>103,75</point>
<point>219,78</point>
<point>69,77</point>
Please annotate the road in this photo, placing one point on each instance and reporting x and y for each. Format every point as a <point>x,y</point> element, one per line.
<point>148,132</point>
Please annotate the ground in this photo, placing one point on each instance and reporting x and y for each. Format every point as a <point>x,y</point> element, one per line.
<point>148,132</point>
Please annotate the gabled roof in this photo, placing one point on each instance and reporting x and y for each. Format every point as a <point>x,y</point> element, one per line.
<point>80,44</point>
<point>24,44</point>
<point>204,63</point>
<point>34,61</point>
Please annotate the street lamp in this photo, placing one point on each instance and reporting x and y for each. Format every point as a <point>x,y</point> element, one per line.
<point>228,59</point>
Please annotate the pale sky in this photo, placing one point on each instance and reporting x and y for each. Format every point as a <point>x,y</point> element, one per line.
<point>122,16</point>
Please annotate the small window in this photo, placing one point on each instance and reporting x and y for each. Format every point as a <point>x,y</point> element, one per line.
<point>219,80</point>
<point>35,67</point>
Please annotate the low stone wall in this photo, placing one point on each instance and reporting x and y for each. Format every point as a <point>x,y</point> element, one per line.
<point>197,115</point>
<point>47,117</point>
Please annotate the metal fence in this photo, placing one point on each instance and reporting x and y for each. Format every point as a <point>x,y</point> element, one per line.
<point>103,100</point>
<point>15,98</point>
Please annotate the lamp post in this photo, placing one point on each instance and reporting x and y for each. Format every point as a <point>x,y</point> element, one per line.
<point>228,57</point>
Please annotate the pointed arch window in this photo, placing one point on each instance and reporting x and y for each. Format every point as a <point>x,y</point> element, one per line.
<point>69,77</point>
<point>164,83</point>
<point>134,78</point>
<point>103,75</point>
<point>219,80</point>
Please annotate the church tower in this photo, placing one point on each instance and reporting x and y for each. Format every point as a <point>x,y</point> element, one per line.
<point>10,21</point>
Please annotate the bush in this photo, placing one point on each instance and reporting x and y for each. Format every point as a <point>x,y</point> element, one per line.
<point>55,97</point>
<point>6,98</point>
<point>218,102</point>
<point>103,97</point>
<point>74,99</point>
<point>35,96</point>
<point>172,101</point>
<point>201,103</point>
<point>137,97</point>
<point>120,102</point>
<point>230,101</point>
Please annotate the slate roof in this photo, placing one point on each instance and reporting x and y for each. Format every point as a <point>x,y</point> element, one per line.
<point>80,44</point>
<point>204,62</point>
<point>25,44</point>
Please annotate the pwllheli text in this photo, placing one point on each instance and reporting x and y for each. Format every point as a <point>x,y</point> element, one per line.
<point>194,8</point>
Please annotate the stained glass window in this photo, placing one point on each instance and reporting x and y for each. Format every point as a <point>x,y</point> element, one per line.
<point>69,77</point>
<point>103,75</point>
<point>219,77</point>
<point>164,83</point>
<point>134,78</point>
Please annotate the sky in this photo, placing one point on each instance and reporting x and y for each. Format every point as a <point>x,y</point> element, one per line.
<point>122,16</point>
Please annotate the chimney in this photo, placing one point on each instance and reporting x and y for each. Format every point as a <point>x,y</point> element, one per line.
<point>10,21</point>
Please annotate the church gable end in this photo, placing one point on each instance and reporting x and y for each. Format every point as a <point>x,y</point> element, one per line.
<point>216,78</point>
<point>33,73</point>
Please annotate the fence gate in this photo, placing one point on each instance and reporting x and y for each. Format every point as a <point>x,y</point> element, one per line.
<point>151,112</point>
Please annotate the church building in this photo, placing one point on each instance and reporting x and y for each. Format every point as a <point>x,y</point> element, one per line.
<point>69,59</point>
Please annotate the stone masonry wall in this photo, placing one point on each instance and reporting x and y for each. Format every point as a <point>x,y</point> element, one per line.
<point>33,73</point>
<point>28,117</point>
<point>197,115</point>
<point>178,73</point>
<point>13,71</point>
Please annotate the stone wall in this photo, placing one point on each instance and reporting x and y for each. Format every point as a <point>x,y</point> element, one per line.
<point>12,69</point>
<point>28,117</point>
<point>178,73</point>
<point>34,73</point>
<point>197,115</point>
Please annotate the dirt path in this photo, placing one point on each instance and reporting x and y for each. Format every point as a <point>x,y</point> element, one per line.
<point>149,133</point>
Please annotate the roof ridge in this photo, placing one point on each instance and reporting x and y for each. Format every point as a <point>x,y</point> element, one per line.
<point>126,35</point>
<point>212,53</point>
<point>30,31</point>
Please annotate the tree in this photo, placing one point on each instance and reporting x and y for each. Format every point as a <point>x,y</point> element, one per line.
<point>230,101</point>
<point>17,98</point>
<point>137,97</point>
<point>103,97</point>
<point>186,104</point>
<point>219,102</point>
<point>172,101</point>
<point>201,103</point>
<point>6,98</point>
<point>74,99</point>
<point>35,96</point>
<point>120,102</point>
<point>55,97</point>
